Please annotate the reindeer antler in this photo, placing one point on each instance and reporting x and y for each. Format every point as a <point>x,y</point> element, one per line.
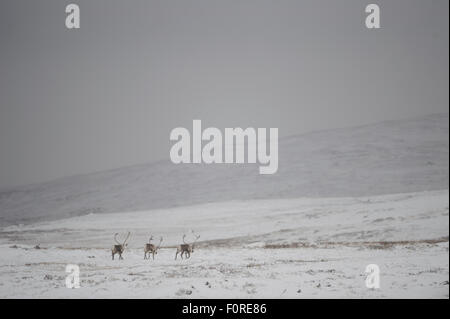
<point>115,238</point>
<point>160,241</point>
<point>128,236</point>
<point>196,236</point>
<point>150,239</point>
<point>184,236</point>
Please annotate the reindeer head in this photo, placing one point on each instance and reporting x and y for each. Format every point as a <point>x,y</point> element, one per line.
<point>160,241</point>
<point>196,238</point>
<point>159,245</point>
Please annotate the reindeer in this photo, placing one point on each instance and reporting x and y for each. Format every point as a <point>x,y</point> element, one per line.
<point>186,248</point>
<point>151,249</point>
<point>120,247</point>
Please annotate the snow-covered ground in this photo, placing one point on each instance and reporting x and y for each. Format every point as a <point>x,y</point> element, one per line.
<point>286,248</point>
<point>342,199</point>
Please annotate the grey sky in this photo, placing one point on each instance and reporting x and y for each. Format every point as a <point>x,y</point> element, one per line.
<point>108,94</point>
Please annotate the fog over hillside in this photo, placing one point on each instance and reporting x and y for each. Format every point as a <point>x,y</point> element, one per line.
<point>385,158</point>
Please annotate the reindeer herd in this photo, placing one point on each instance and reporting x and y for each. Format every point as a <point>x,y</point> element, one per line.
<point>185,249</point>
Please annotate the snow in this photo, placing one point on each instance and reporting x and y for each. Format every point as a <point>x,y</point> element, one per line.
<point>341,200</point>
<point>286,248</point>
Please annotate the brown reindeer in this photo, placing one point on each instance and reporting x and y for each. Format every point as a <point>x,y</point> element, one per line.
<point>186,249</point>
<point>120,247</point>
<point>151,249</point>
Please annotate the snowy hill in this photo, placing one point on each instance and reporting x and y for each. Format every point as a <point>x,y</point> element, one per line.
<point>386,158</point>
<point>342,199</point>
<point>284,248</point>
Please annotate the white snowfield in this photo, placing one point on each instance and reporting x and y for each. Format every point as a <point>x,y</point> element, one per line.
<point>286,248</point>
<point>341,200</point>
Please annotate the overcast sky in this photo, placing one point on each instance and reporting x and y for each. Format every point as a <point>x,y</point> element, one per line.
<point>107,95</point>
